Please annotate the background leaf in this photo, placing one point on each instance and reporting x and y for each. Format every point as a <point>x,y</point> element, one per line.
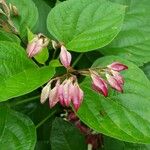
<point>51,3</point>
<point>111,144</point>
<point>133,41</point>
<point>43,56</point>
<point>5,36</point>
<point>30,105</point>
<point>146,69</point>
<point>122,116</point>
<point>28,15</point>
<point>84,26</point>
<point>65,136</point>
<point>55,63</point>
<point>43,9</point>
<point>22,76</point>
<point>16,130</point>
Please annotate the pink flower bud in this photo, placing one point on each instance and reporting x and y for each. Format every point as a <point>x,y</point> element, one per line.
<point>36,45</point>
<point>118,77</point>
<point>60,95</point>
<point>45,92</point>
<point>116,66</point>
<point>65,57</point>
<point>64,92</point>
<point>77,96</point>
<point>53,95</point>
<point>99,84</point>
<point>114,83</point>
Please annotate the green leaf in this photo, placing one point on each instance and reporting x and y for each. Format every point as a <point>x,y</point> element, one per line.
<point>5,36</point>
<point>51,3</point>
<point>30,35</point>
<point>124,116</point>
<point>28,15</point>
<point>146,69</point>
<point>43,9</point>
<point>111,144</point>
<point>42,57</point>
<point>18,74</point>
<point>44,145</point>
<point>85,26</point>
<point>17,132</point>
<point>133,41</point>
<point>55,63</point>
<point>64,136</point>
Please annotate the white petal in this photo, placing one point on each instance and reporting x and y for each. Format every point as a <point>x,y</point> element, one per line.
<point>45,93</point>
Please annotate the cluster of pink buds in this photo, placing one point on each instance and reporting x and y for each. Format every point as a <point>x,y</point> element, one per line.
<point>69,91</point>
<point>36,45</point>
<point>66,92</point>
<point>114,78</point>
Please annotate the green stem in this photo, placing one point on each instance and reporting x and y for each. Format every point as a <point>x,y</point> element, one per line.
<point>54,54</point>
<point>45,119</point>
<point>78,58</point>
<point>24,101</point>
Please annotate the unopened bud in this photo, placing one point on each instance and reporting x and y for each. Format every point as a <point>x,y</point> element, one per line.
<point>117,66</point>
<point>77,96</point>
<point>36,45</point>
<point>99,84</point>
<point>13,9</point>
<point>45,92</point>
<point>53,95</point>
<point>5,7</point>
<point>64,92</point>
<point>65,57</point>
<point>114,83</point>
<point>118,76</point>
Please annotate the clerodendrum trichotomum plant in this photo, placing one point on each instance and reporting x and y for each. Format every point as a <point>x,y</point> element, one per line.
<point>74,75</point>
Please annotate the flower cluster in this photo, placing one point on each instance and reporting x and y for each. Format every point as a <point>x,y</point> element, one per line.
<point>66,92</point>
<point>114,78</point>
<point>69,91</point>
